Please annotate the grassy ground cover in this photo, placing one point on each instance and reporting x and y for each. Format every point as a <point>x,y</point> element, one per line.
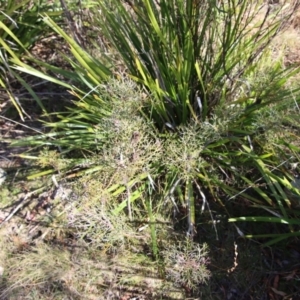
<point>168,166</point>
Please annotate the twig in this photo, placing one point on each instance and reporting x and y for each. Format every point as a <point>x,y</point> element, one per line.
<point>247,188</point>
<point>23,203</point>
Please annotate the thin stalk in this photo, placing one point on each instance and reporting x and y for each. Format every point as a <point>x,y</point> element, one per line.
<point>190,203</point>
<point>152,229</point>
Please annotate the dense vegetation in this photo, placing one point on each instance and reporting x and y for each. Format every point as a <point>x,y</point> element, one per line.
<point>160,150</point>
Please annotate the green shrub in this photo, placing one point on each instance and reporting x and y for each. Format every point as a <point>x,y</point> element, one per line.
<point>202,66</point>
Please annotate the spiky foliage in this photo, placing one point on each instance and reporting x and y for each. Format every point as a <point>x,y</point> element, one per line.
<point>194,55</point>
<point>199,62</point>
<point>21,27</point>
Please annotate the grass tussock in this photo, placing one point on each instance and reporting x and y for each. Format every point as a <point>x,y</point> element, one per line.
<point>177,158</point>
